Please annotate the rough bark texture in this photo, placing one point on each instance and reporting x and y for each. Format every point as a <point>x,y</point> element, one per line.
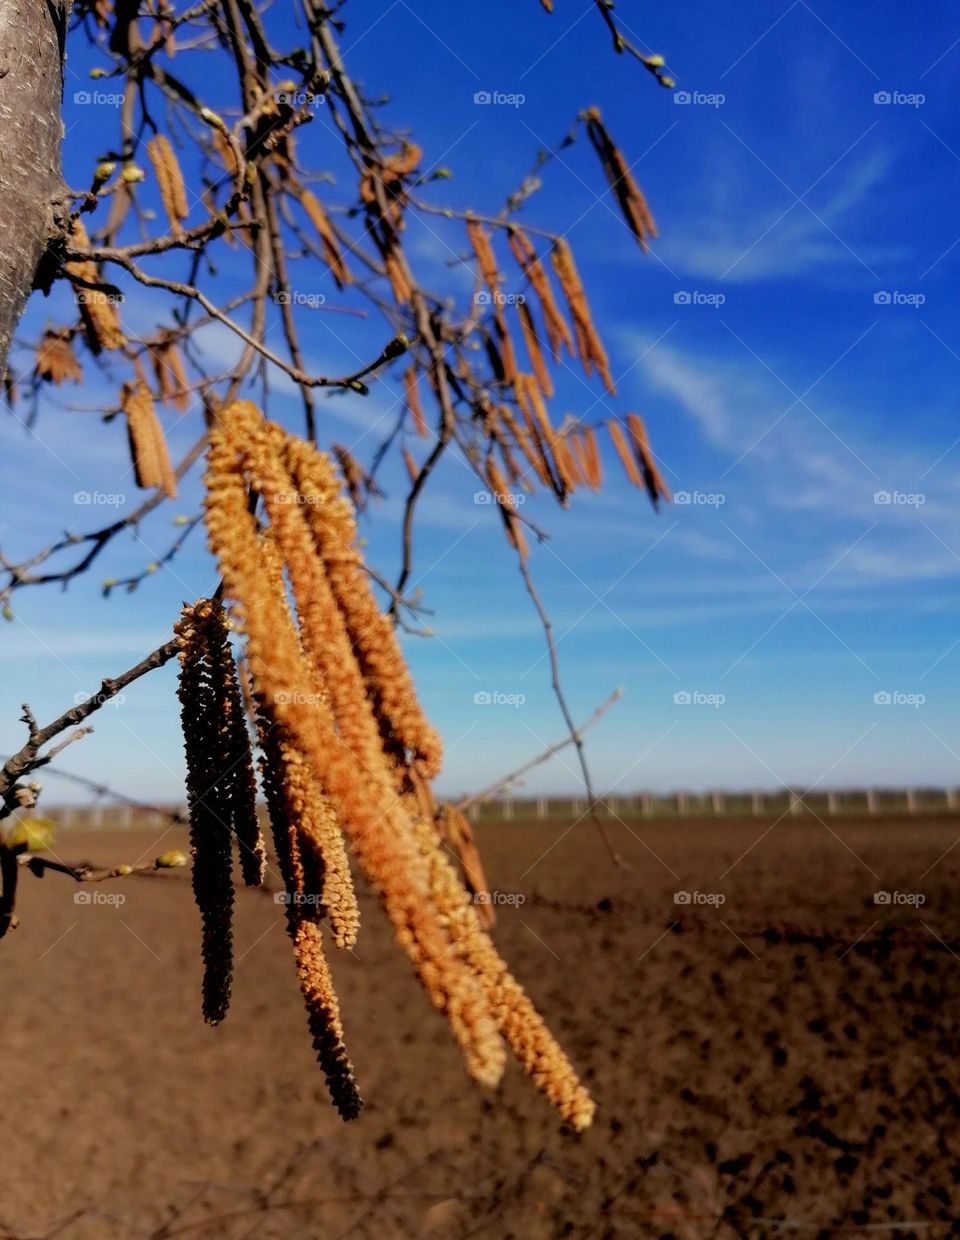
<point>31,132</point>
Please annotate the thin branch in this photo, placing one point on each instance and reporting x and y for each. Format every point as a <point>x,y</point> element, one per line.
<point>492,789</point>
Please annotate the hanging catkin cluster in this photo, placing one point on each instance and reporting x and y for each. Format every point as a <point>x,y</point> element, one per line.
<point>520,436</point>
<point>221,789</point>
<point>346,748</point>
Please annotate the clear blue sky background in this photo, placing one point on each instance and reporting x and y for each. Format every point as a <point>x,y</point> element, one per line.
<point>798,198</point>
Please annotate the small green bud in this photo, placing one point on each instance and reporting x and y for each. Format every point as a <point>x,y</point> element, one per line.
<point>132,174</point>
<point>103,172</point>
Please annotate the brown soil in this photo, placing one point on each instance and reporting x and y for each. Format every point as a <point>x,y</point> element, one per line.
<point>783,1064</point>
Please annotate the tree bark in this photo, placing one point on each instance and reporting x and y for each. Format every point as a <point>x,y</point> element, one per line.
<point>31,133</point>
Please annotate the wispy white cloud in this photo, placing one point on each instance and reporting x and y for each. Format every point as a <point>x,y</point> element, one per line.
<point>742,240</point>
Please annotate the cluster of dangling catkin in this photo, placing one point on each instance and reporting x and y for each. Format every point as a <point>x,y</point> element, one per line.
<point>521,437</point>
<point>346,748</point>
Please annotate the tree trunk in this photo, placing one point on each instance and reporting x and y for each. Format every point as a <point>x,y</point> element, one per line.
<point>31,133</point>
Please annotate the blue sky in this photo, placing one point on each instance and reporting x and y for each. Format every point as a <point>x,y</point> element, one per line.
<point>791,342</point>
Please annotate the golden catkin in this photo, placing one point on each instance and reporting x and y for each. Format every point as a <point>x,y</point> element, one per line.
<point>316,823</point>
<point>528,1037</point>
<point>528,447</point>
<point>625,189</point>
<point>170,373</point>
<point>567,463</point>
<point>455,830</point>
<point>166,169</point>
<point>411,390</point>
<point>558,332</point>
<point>332,254</point>
<point>594,463</point>
<point>534,352</point>
<point>413,469</point>
<point>505,345</point>
<point>323,1015</point>
<point>396,274</point>
<point>348,762</point>
<point>623,452</point>
<point>353,474</point>
<point>483,252</point>
<point>280,764</point>
<point>373,638</point>
<point>148,447</point>
<point>228,156</point>
<point>101,323</point>
<point>541,429</point>
<point>506,503</point>
<point>56,360</point>
<point>653,480</point>
<point>589,347</point>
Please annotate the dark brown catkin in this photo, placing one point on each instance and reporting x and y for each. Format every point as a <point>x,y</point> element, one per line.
<point>210,840</point>
<point>316,986</point>
<point>235,780</point>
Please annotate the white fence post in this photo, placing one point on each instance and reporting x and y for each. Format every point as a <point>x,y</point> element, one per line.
<point>716,801</point>
<point>833,803</point>
<point>911,801</point>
